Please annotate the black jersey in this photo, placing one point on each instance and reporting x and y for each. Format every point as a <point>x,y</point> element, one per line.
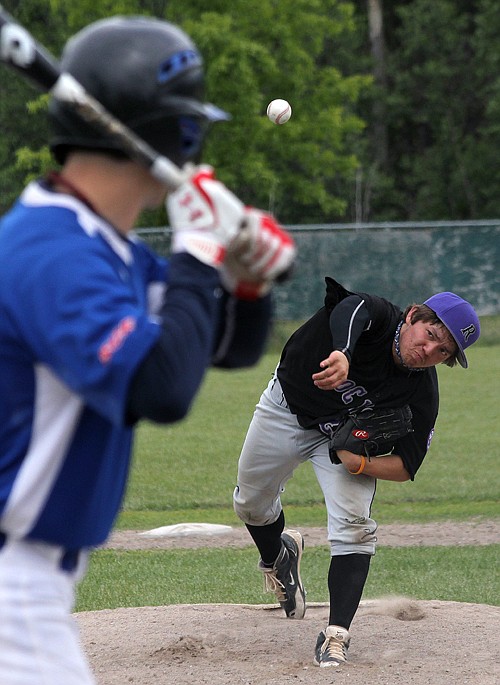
<point>374,378</point>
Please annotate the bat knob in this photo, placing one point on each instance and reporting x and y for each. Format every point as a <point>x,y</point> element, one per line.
<point>286,275</point>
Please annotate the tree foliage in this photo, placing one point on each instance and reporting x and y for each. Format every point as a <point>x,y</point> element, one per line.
<point>256,51</point>
<point>441,105</point>
<point>401,124</point>
<point>260,50</point>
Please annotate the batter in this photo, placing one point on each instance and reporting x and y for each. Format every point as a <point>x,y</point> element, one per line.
<point>98,332</point>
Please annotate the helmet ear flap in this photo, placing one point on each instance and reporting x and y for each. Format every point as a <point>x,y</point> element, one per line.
<point>73,133</point>
<point>191,137</point>
<point>179,138</point>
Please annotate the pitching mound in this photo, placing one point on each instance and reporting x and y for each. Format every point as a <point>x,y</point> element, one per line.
<point>394,641</point>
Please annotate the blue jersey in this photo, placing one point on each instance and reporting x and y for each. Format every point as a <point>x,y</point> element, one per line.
<point>74,326</point>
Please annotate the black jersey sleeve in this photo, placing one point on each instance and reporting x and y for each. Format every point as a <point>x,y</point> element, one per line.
<point>348,319</point>
<point>424,404</point>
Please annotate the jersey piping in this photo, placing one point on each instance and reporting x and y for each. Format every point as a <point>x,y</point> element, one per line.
<point>351,322</point>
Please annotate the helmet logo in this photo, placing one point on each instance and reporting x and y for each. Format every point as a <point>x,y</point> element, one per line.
<point>176,64</point>
<point>468,331</point>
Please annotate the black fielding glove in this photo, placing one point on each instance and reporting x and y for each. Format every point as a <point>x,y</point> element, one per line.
<point>371,432</point>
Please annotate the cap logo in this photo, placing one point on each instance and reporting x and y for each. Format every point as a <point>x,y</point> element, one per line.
<point>468,331</point>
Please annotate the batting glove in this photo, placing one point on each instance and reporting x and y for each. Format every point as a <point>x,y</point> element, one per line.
<point>205,216</point>
<point>260,253</point>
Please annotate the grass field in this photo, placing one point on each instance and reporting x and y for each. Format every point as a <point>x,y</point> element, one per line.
<point>186,473</point>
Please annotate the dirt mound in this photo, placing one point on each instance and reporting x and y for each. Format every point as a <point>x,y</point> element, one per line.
<point>394,641</point>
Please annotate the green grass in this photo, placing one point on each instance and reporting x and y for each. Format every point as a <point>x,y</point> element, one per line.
<point>206,576</point>
<point>189,469</point>
<point>186,473</point>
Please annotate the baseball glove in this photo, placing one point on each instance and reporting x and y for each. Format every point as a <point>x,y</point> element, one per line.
<point>371,432</point>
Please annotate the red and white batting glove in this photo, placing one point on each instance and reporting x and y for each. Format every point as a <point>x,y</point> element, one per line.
<point>261,253</point>
<point>205,216</point>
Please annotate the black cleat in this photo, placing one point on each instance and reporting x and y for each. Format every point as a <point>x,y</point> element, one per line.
<point>331,647</point>
<point>284,577</point>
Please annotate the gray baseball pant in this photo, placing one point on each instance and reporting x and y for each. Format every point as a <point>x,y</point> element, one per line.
<point>274,446</point>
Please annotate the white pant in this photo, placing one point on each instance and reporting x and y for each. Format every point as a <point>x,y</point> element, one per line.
<point>274,446</point>
<point>39,643</point>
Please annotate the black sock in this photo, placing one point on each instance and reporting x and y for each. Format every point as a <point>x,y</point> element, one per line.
<point>346,580</point>
<point>268,539</point>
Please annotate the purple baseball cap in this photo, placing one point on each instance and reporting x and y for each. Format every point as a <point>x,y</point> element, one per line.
<point>460,319</point>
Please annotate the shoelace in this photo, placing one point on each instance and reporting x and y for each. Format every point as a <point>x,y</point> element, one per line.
<point>273,584</point>
<point>335,649</point>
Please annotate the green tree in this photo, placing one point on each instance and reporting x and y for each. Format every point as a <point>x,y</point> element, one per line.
<point>256,51</point>
<point>420,142</point>
<point>482,148</point>
<point>260,50</point>
<point>23,134</point>
<point>432,110</point>
<point>441,103</point>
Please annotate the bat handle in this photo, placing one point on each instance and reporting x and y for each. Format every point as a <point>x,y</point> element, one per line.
<point>286,275</point>
<point>167,172</point>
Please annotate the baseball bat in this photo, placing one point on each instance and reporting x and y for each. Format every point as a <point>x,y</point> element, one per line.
<point>20,50</point>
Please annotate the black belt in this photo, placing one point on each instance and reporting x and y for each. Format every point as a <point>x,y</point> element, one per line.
<point>69,557</point>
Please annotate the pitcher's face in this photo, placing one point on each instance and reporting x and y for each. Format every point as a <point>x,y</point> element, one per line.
<point>423,344</point>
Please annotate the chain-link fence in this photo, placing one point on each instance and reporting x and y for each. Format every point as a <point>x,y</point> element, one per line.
<point>404,262</point>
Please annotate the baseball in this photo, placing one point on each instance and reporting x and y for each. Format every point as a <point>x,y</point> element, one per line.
<point>279,111</point>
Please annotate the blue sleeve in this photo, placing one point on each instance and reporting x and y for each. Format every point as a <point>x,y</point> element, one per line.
<point>154,267</point>
<point>167,379</point>
<point>243,327</point>
<point>77,318</point>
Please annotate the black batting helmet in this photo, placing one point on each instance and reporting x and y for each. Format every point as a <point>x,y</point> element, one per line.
<point>146,72</point>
